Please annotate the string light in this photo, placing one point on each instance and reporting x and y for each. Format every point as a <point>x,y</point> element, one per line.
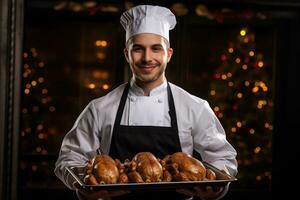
<point>101,43</point>
<point>40,127</point>
<point>243,32</point>
<point>44,101</point>
<point>38,149</point>
<point>212,92</point>
<point>28,85</point>
<point>255,89</point>
<point>246,83</point>
<point>257,149</point>
<point>216,108</point>
<point>239,95</point>
<point>105,86</point>
<point>260,64</point>
<point>233,129</point>
<point>41,64</point>
<point>44,91</point>
<point>26,91</point>
<point>33,83</point>
<point>41,79</point>
<point>258,178</point>
<point>52,108</point>
<point>251,53</point>
<point>237,60</point>
<point>101,55</point>
<point>239,124</point>
<point>92,86</point>
<point>246,40</point>
<point>261,103</point>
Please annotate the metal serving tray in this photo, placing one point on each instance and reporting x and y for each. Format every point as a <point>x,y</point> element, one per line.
<point>222,179</point>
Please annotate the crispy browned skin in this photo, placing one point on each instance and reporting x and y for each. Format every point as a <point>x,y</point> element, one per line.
<point>123,178</point>
<point>105,169</point>
<point>184,167</point>
<point>135,177</point>
<point>167,176</point>
<point>210,175</point>
<point>90,179</point>
<point>149,168</point>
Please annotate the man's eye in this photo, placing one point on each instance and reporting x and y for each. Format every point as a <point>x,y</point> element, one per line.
<point>156,49</point>
<point>137,49</point>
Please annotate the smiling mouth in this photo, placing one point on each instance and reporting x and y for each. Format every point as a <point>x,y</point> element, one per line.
<point>148,66</point>
<point>147,69</point>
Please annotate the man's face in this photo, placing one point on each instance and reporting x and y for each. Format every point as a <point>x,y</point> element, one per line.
<point>148,55</point>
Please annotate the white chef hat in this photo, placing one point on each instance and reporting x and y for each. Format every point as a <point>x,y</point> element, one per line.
<point>148,19</point>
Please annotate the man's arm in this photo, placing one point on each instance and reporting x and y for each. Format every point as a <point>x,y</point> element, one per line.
<point>79,145</point>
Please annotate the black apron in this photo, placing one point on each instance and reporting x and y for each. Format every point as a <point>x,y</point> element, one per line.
<point>130,140</point>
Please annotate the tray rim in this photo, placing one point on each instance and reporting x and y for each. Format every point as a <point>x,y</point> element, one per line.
<point>153,185</point>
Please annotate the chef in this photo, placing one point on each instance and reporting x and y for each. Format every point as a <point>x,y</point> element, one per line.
<point>147,114</point>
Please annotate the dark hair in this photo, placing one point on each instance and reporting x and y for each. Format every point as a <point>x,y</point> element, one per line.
<point>165,40</point>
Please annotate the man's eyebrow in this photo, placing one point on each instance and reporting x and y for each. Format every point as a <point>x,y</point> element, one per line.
<point>157,45</point>
<point>137,45</point>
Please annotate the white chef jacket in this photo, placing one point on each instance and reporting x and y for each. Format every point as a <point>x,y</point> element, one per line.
<point>198,127</point>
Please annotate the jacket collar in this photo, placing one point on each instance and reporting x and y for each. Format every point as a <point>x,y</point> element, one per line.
<point>137,91</point>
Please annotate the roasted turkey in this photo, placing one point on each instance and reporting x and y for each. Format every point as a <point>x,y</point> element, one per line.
<point>184,167</point>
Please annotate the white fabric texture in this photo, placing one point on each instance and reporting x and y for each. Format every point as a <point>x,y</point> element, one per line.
<point>148,19</point>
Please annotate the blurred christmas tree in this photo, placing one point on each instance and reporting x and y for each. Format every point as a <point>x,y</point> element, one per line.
<point>37,116</point>
<point>241,97</point>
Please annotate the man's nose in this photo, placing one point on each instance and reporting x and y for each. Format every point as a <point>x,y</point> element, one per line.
<point>147,55</point>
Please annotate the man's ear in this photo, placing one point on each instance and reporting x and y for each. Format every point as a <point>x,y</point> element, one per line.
<point>170,53</point>
<point>126,54</point>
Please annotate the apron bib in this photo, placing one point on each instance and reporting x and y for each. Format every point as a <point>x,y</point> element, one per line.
<point>129,140</point>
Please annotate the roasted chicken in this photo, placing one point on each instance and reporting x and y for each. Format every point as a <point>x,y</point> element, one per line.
<point>102,170</point>
<point>145,167</point>
<point>183,167</point>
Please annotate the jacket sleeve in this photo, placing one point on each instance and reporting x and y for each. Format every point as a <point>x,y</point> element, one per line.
<point>210,140</point>
<point>79,145</point>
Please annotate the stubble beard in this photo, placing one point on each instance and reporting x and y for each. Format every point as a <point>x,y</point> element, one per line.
<point>150,78</point>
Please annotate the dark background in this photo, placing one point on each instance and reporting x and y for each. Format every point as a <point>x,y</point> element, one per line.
<point>62,37</point>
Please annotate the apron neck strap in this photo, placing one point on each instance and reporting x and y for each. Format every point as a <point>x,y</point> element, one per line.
<point>172,110</point>
<point>122,105</point>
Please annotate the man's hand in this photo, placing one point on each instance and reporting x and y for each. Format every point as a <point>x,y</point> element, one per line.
<point>93,195</point>
<point>203,192</point>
